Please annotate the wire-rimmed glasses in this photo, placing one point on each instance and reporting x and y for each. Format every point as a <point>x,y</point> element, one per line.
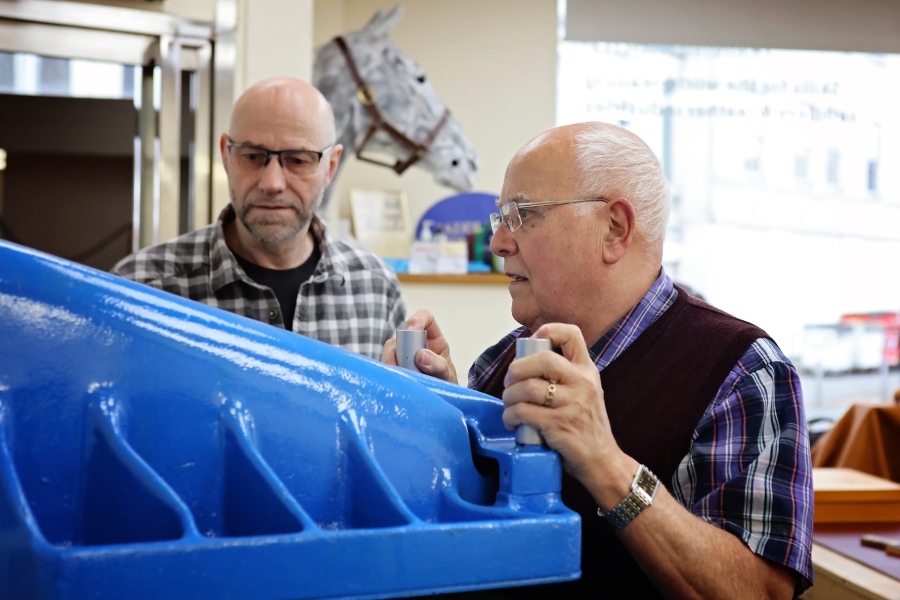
<point>511,213</point>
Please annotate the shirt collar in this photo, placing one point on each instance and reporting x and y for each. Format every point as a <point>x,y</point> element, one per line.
<point>655,302</point>
<point>333,262</point>
<point>223,266</point>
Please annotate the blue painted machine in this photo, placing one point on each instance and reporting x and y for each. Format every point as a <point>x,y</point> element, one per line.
<point>152,447</point>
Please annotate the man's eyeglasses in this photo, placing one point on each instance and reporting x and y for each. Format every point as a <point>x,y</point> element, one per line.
<point>296,162</point>
<point>511,213</point>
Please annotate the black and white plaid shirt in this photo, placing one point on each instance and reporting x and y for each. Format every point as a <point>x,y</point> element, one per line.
<point>352,299</point>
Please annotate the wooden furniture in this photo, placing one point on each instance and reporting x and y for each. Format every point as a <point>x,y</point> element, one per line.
<point>866,438</point>
<point>851,503</point>
<point>849,496</point>
<point>840,578</point>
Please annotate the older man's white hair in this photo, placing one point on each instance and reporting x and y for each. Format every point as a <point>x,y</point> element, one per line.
<point>612,160</point>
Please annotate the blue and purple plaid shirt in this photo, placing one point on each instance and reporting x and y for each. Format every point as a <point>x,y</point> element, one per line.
<point>748,469</point>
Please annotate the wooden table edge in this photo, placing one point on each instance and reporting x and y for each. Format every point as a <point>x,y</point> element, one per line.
<point>865,580</point>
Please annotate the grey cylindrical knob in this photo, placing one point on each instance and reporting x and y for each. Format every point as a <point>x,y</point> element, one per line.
<point>528,346</point>
<point>409,341</point>
<point>525,434</point>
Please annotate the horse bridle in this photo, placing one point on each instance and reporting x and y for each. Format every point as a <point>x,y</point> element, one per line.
<point>366,97</point>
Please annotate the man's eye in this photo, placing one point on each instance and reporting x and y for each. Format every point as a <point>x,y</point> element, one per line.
<point>297,159</point>
<point>253,157</point>
<point>524,213</point>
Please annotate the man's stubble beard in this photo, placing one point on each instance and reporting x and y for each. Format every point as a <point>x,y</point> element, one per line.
<point>261,227</point>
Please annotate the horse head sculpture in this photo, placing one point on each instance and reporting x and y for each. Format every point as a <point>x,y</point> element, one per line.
<point>384,105</point>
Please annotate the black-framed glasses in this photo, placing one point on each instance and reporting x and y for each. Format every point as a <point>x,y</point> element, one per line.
<point>296,162</point>
<point>511,213</point>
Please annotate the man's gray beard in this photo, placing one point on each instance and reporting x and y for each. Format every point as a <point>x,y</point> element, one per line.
<point>261,227</point>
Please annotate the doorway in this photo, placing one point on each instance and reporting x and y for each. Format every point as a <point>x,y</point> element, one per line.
<point>106,117</point>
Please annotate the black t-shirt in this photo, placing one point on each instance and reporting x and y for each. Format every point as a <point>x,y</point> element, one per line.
<point>284,282</point>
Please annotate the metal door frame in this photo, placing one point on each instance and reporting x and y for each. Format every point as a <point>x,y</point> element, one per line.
<point>165,46</point>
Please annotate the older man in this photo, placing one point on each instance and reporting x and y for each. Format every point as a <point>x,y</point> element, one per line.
<point>689,464</point>
<point>268,256</point>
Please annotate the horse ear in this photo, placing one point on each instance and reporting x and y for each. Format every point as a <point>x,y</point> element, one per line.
<point>382,24</point>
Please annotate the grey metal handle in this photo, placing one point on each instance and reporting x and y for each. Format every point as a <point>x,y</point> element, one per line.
<point>409,341</point>
<point>527,435</point>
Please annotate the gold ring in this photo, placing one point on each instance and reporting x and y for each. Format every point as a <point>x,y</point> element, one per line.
<point>551,389</point>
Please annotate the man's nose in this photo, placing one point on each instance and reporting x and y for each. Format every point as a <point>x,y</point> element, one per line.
<point>271,179</point>
<point>503,243</point>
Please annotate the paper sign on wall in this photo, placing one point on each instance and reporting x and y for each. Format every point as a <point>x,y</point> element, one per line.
<point>381,221</point>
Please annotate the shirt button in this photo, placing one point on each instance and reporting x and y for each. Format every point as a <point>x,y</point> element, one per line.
<point>273,314</point>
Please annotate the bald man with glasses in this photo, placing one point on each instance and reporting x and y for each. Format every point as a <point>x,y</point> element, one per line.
<point>681,428</point>
<point>268,256</point>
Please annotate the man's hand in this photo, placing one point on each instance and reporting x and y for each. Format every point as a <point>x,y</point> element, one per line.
<point>683,556</point>
<point>435,359</point>
<point>574,422</point>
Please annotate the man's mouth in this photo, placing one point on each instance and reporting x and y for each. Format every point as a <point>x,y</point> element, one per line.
<point>272,206</point>
<point>516,278</point>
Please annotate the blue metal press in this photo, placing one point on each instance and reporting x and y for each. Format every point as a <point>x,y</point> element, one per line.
<point>154,447</point>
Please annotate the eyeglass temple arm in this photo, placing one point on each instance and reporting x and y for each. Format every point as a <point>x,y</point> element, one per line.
<point>555,202</point>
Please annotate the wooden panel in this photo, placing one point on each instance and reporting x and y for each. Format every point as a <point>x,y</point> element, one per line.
<point>828,481</point>
<point>857,512</point>
<point>482,278</point>
<point>862,26</point>
<point>849,496</point>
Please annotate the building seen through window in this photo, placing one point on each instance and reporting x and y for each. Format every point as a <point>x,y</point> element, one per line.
<point>783,212</point>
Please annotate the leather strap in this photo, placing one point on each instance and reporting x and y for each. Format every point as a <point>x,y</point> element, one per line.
<point>366,97</point>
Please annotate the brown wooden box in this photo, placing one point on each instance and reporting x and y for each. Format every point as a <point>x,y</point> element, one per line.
<point>849,496</point>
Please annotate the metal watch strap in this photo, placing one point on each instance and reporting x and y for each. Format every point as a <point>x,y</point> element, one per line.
<point>643,490</point>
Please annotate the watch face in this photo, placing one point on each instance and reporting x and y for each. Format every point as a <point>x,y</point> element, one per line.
<point>647,482</point>
<point>643,490</point>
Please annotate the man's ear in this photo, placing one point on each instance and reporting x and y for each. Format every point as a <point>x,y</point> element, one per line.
<point>223,148</point>
<point>334,159</point>
<point>622,222</point>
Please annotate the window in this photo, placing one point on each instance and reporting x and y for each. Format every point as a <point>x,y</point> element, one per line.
<point>833,165</point>
<point>30,74</point>
<point>801,166</point>
<point>872,176</point>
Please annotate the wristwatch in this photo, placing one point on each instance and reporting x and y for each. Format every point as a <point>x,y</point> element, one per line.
<point>643,490</point>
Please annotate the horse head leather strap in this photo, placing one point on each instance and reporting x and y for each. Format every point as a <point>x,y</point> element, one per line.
<point>367,98</point>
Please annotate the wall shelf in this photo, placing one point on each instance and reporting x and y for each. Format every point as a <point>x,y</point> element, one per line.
<point>476,278</point>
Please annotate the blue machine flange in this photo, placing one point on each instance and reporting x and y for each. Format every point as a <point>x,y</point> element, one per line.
<point>153,447</point>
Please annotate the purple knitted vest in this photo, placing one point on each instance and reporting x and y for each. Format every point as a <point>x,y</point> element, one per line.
<point>656,391</point>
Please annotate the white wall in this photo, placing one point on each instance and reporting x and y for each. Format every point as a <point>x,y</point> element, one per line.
<point>472,316</point>
<point>276,38</point>
<point>494,65</point>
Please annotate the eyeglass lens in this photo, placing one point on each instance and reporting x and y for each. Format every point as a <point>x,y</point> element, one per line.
<point>296,162</point>
<point>509,215</point>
